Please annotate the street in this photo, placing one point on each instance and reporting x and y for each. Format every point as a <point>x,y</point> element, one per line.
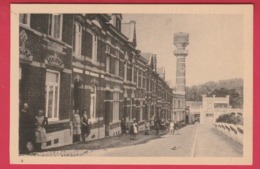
<point>194,140</point>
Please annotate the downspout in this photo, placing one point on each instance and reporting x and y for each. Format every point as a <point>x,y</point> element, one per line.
<point>71,81</point>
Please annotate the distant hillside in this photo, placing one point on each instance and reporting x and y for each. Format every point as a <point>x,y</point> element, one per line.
<point>232,87</point>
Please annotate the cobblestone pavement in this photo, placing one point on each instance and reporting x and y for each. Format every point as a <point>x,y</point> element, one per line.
<point>194,140</point>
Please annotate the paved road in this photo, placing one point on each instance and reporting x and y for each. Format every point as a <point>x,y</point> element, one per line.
<point>211,143</point>
<point>193,140</point>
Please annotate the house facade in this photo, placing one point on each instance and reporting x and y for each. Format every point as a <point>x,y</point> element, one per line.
<point>74,62</point>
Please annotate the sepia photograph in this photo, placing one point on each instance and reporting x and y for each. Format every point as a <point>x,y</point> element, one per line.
<point>106,84</point>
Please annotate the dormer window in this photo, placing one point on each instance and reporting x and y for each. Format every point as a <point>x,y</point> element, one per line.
<point>118,24</point>
<point>116,20</point>
<point>24,19</point>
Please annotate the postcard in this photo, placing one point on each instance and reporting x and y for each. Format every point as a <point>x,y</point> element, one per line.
<point>131,84</point>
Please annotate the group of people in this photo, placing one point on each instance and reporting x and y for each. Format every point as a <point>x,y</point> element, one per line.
<point>32,132</point>
<point>161,124</point>
<point>173,127</point>
<point>157,124</point>
<point>133,130</point>
<point>81,126</point>
<point>32,129</point>
<point>131,127</point>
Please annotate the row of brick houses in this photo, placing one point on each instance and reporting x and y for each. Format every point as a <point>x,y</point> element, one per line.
<point>76,62</point>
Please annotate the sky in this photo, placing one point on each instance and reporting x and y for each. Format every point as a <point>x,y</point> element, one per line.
<point>215,44</point>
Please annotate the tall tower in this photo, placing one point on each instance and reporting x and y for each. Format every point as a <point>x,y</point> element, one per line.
<point>181,40</point>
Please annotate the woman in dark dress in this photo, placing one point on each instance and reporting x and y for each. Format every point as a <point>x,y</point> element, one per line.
<point>131,130</point>
<point>84,125</point>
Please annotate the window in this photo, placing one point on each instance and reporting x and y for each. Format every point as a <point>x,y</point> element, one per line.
<point>116,67</point>
<point>125,71</point>
<point>139,78</point>
<point>129,73</point>
<point>24,19</point>
<point>141,111</point>
<point>77,40</point>
<point>144,80</point>
<point>118,24</point>
<point>108,64</point>
<point>117,63</point>
<point>112,65</point>
<point>117,53</point>
<point>108,49</point>
<point>93,99</point>
<point>142,77</point>
<point>55,26</point>
<point>94,49</point>
<point>116,106</point>
<point>220,105</point>
<point>52,88</point>
<point>131,109</point>
<point>133,71</point>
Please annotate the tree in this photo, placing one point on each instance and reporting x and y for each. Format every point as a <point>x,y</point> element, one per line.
<point>232,87</point>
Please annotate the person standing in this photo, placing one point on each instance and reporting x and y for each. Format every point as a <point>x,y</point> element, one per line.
<point>76,127</point>
<point>131,130</point>
<point>123,126</point>
<point>147,128</point>
<point>157,126</point>
<point>171,127</point>
<point>84,125</point>
<point>135,125</point>
<point>26,130</point>
<point>40,133</point>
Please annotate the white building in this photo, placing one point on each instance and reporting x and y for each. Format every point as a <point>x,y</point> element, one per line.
<point>213,107</point>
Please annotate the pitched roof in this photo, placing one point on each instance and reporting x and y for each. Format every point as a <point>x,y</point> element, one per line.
<point>148,57</point>
<point>128,29</point>
<point>161,70</point>
<point>169,83</point>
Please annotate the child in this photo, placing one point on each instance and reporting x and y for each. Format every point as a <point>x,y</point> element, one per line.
<point>135,129</point>
<point>147,128</point>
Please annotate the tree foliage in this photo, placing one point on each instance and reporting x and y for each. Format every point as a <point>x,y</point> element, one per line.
<point>230,119</point>
<point>232,87</point>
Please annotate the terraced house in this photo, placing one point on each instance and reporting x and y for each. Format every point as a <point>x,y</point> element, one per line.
<point>74,62</point>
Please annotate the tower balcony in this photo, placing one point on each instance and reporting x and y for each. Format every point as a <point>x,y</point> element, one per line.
<point>180,52</point>
<point>181,40</point>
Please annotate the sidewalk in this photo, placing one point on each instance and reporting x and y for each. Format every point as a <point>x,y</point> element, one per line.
<point>81,148</point>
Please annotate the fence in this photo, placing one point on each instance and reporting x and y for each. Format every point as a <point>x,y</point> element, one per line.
<point>235,132</point>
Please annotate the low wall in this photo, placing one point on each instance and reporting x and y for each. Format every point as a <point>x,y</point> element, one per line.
<point>58,139</point>
<point>96,133</point>
<point>235,132</point>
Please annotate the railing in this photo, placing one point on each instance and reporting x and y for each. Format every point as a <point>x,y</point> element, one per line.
<point>235,132</point>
